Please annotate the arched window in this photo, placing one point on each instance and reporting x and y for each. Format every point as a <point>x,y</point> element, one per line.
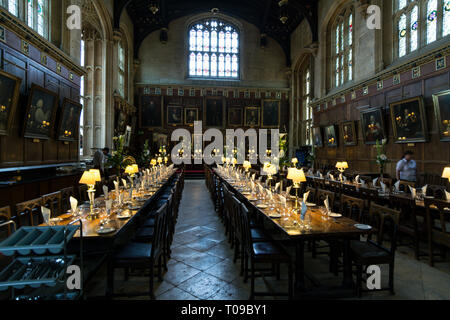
<point>37,16</point>
<point>307,110</point>
<point>213,50</point>
<point>121,79</point>
<point>342,48</point>
<point>419,23</point>
<point>13,6</point>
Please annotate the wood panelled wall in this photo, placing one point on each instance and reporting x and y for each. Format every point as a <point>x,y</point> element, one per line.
<point>431,156</point>
<point>15,150</point>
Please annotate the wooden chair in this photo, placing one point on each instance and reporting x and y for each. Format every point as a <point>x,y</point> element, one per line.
<point>264,252</point>
<point>352,208</point>
<point>438,192</point>
<point>408,224</point>
<point>369,195</point>
<point>437,219</point>
<point>5,217</point>
<point>141,255</point>
<point>373,252</point>
<point>312,194</point>
<point>322,195</point>
<point>404,186</point>
<point>28,213</point>
<point>349,190</point>
<point>82,193</point>
<point>52,201</point>
<point>65,198</point>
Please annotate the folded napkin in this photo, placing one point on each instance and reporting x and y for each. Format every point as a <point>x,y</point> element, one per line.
<point>105,191</point>
<point>73,204</point>
<point>383,187</point>
<point>327,205</point>
<point>375,181</point>
<point>305,197</point>
<point>260,179</point>
<point>116,186</point>
<point>331,176</point>
<point>270,194</point>
<point>277,186</point>
<point>252,184</point>
<point>424,190</point>
<point>121,198</point>
<point>357,179</point>
<point>345,179</point>
<point>397,186</point>
<point>363,183</point>
<point>310,172</point>
<point>321,176</point>
<point>413,192</point>
<point>108,204</point>
<point>288,190</point>
<point>447,195</point>
<point>304,210</point>
<point>124,182</point>
<point>46,214</point>
<point>283,200</point>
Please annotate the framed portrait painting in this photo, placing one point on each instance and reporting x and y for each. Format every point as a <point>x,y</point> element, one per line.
<point>69,122</point>
<point>151,112</point>
<point>252,117</point>
<point>214,112</point>
<point>330,136</point>
<point>348,130</point>
<point>190,116</point>
<point>174,115</point>
<point>9,97</point>
<point>442,111</point>
<point>40,113</point>
<point>409,121</point>
<point>373,129</point>
<point>271,113</point>
<point>317,136</point>
<point>235,117</point>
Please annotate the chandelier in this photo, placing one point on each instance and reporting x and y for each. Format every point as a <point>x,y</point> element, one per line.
<point>283,11</point>
<point>154,7</point>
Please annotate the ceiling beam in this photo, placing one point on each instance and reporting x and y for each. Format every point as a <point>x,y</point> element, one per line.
<point>119,6</point>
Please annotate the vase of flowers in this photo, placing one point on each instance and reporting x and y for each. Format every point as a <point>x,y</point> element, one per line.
<point>381,159</point>
<point>119,159</point>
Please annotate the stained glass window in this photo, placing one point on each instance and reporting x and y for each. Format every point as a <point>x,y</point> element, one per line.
<point>41,17</point>
<point>402,36</point>
<point>432,16</point>
<point>414,28</point>
<point>446,20</point>
<point>343,47</point>
<point>30,13</point>
<point>213,50</point>
<point>122,68</point>
<point>37,16</point>
<point>13,7</point>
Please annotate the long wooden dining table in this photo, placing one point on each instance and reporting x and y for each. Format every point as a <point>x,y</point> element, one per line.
<point>321,228</point>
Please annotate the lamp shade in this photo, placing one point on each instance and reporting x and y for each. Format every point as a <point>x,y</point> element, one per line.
<point>133,169</point>
<point>247,165</point>
<point>446,173</point>
<point>91,177</point>
<point>153,162</point>
<point>345,165</point>
<point>160,159</point>
<point>296,175</point>
<point>294,160</point>
<point>270,169</point>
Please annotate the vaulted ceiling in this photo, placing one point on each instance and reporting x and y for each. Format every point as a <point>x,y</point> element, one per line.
<point>264,14</point>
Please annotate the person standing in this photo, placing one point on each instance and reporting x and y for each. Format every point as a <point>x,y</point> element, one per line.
<point>100,157</point>
<point>407,168</point>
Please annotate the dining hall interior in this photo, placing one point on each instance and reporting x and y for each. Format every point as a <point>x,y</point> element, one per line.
<point>224,150</point>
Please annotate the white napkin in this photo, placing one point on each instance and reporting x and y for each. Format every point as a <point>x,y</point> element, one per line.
<point>108,204</point>
<point>73,204</point>
<point>124,182</point>
<point>331,177</point>
<point>116,186</point>
<point>327,204</point>
<point>345,179</point>
<point>252,184</point>
<point>363,183</point>
<point>283,200</point>
<point>270,194</point>
<point>375,182</point>
<point>357,179</point>
<point>288,190</point>
<point>383,187</point>
<point>320,175</point>
<point>305,197</point>
<point>310,172</point>
<point>46,214</point>
<point>277,185</point>
<point>121,198</point>
<point>424,190</point>
<point>447,195</point>
<point>105,191</point>
<point>413,192</point>
<point>397,186</point>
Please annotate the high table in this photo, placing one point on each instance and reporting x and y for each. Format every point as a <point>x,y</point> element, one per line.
<point>332,228</point>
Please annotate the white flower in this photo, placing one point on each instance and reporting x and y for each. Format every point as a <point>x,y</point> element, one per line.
<point>383,157</point>
<point>384,142</point>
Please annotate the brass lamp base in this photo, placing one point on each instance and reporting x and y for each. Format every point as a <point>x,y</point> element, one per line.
<point>92,215</point>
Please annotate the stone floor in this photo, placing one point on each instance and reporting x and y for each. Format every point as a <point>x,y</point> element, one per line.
<point>201,267</point>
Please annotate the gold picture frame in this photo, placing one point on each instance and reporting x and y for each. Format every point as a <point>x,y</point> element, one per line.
<point>441,101</point>
<point>251,119</point>
<point>409,120</point>
<point>9,98</point>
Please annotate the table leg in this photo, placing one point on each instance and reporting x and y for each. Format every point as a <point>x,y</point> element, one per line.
<point>300,266</point>
<point>348,277</point>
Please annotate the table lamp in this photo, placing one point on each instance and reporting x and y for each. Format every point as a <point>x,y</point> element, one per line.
<point>446,173</point>
<point>90,178</point>
<point>131,171</point>
<point>342,166</point>
<point>297,176</point>
<point>270,170</point>
<point>247,166</point>
<point>234,162</point>
<point>294,162</point>
<point>160,160</point>
<point>166,160</point>
<point>153,162</point>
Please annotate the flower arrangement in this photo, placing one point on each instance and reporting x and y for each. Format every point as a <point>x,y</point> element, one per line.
<point>381,158</point>
<point>283,155</point>
<point>119,159</point>
<point>145,156</point>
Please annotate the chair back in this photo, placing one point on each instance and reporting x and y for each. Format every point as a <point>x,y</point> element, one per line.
<point>312,194</point>
<point>407,208</point>
<point>438,192</point>
<point>437,218</point>
<point>385,223</point>
<point>323,194</point>
<point>160,230</point>
<point>236,218</point>
<point>28,213</point>
<point>368,194</point>
<point>52,201</point>
<point>349,190</point>
<point>246,230</point>
<point>404,186</point>
<point>5,216</point>
<point>66,193</point>
<point>352,208</point>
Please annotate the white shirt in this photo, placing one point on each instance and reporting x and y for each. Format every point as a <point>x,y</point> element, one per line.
<point>407,170</point>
